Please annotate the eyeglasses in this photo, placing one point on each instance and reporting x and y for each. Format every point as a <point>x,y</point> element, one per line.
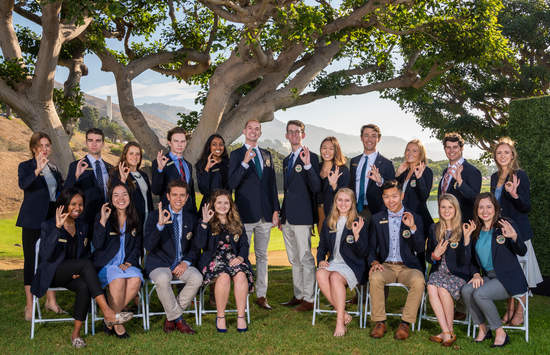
<point>294,132</point>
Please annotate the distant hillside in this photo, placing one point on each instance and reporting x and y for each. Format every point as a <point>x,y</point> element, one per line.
<point>167,112</point>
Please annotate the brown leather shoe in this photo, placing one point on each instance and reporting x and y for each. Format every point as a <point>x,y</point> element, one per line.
<point>262,302</point>
<point>379,330</point>
<point>169,326</point>
<point>402,332</point>
<point>293,302</point>
<point>436,338</point>
<point>183,327</point>
<point>459,315</point>
<point>304,307</point>
<point>449,342</point>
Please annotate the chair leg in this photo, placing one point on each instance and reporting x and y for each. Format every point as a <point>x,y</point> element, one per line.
<point>315,302</point>
<point>92,306</point>
<point>143,313</point>
<point>34,299</point>
<point>247,309</point>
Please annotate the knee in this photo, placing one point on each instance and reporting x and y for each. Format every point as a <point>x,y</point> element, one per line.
<point>222,279</point>
<point>377,278</point>
<point>418,282</point>
<point>196,279</point>
<point>321,275</point>
<point>466,291</point>
<point>162,279</point>
<point>335,278</point>
<point>240,277</point>
<point>433,291</point>
<point>479,294</point>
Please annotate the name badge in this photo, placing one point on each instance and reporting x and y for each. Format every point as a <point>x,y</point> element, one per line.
<point>350,238</point>
<point>298,168</point>
<point>501,239</point>
<point>354,164</point>
<point>236,238</point>
<point>214,170</point>
<point>413,183</point>
<point>113,233</point>
<point>62,240</point>
<point>89,169</point>
<point>170,163</point>
<point>384,221</point>
<point>406,234</point>
<point>454,245</point>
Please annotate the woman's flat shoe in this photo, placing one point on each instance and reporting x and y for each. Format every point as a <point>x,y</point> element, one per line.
<point>506,342</point>
<point>107,330</point>
<point>242,330</point>
<point>56,309</point>
<point>488,335</point>
<point>220,330</point>
<point>120,318</point>
<point>78,343</point>
<point>449,342</point>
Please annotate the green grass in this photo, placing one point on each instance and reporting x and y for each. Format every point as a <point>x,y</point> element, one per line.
<point>10,239</point>
<point>274,332</point>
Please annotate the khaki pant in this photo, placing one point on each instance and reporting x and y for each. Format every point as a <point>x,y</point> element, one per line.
<point>262,232</point>
<point>173,307</point>
<point>412,278</point>
<point>298,249</point>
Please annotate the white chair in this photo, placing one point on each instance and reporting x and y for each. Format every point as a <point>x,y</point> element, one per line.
<point>394,284</point>
<point>525,326</point>
<point>36,313</point>
<point>203,310</point>
<point>317,305</point>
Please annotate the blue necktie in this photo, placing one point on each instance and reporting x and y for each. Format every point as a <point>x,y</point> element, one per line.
<point>99,178</point>
<point>176,226</point>
<point>257,163</point>
<point>290,165</point>
<point>361,199</point>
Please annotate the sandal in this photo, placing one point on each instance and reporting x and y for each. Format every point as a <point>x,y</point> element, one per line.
<point>436,338</point>
<point>56,309</point>
<point>120,318</point>
<point>451,341</point>
<point>78,343</point>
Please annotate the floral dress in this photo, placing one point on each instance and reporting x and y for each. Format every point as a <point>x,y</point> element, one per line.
<point>444,278</point>
<point>220,263</point>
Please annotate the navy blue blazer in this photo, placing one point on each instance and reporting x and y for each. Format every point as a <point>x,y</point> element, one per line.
<point>94,196</point>
<point>417,193</point>
<point>207,242</point>
<point>36,196</point>
<point>170,173</point>
<point>300,202</point>
<point>255,198</point>
<point>214,179</point>
<point>516,209</point>
<point>106,243</point>
<point>505,261</point>
<point>53,244</point>
<point>326,196</point>
<point>374,193</point>
<point>411,249</point>
<point>160,244</point>
<point>353,252</point>
<point>465,193</point>
<point>459,259</point>
<point>135,193</point>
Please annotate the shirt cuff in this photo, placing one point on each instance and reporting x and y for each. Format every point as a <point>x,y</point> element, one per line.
<point>307,167</point>
<point>160,228</point>
<point>380,184</point>
<point>244,165</point>
<point>160,171</point>
<point>187,262</point>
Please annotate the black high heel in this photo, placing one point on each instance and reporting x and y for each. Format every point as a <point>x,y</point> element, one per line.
<point>242,330</point>
<point>488,335</point>
<point>220,330</point>
<point>506,342</point>
<point>107,330</point>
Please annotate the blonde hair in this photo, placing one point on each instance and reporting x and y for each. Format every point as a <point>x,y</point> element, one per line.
<point>456,222</point>
<point>421,150</point>
<point>339,159</point>
<point>332,218</point>
<point>514,164</point>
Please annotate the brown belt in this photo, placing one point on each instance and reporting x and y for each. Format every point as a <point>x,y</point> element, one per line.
<point>394,262</point>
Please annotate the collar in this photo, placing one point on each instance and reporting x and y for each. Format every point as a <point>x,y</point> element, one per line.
<point>247,146</point>
<point>93,160</point>
<point>172,211</point>
<point>372,156</point>
<point>458,162</point>
<point>173,156</point>
<point>396,214</point>
<point>296,153</point>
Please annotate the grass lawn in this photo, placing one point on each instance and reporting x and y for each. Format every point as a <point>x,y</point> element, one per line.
<point>10,239</point>
<point>273,332</point>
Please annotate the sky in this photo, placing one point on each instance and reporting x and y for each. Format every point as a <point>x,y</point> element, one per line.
<point>345,114</point>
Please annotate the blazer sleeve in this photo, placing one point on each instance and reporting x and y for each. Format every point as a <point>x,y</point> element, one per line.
<point>135,252</point>
<point>323,247</point>
<point>26,175</point>
<point>432,243</point>
<point>236,170</point>
<point>50,246</point>
<point>244,247</point>
<point>389,171</point>
<point>361,245</point>
<point>203,180</point>
<point>192,253</point>
<point>343,180</point>
<point>523,202</point>
<point>419,237</point>
<point>373,245</point>
<point>201,236</point>
<point>274,191</point>
<point>71,179</point>
<point>99,237</point>
<point>518,247</point>
<point>151,237</point>
<point>474,265</point>
<point>157,179</point>
<point>424,185</point>
<point>313,179</point>
<point>471,184</point>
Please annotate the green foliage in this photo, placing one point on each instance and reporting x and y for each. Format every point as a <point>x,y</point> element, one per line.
<point>13,71</point>
<point>189,121</point>
<point>112,130</point>
<point>529,125</point>
<point>68,107</point>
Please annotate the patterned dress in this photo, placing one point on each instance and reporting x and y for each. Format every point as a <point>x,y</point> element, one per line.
<point>443,278</point>
<point>220,263</point>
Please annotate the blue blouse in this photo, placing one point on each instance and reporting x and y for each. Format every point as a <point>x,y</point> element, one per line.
<point>498,193</point>
<point>484,250</point>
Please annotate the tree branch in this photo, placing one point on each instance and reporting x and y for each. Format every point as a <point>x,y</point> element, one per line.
<point>8,39</point>
<point>19,9</point>
<point>138,66</point>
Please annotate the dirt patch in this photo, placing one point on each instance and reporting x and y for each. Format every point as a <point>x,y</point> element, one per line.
<point>11,264</point>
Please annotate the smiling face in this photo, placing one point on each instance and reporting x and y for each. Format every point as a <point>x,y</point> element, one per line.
<point>94,143</point>
<point>75,207</point>
<point>133,157</point>
<point>252,132</point>
<point>327,151</point>
<point>43,147</point>
<point>120,198</point>
<point>370,139</point>
<point>217,147</point>
<point>453,151</point>
<point>412,154</point>
<point>446,211</point>
<point>294,134</point>
<point>177,143</point>
<point>392,199</point>
<point>343,203</point>
<point>486,211</point>
<point>222,205</point>
<point>177,198</point>
<point>504,155</point>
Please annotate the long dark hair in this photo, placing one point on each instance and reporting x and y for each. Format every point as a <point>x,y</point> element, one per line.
<point>201,163</point>
<point>132,219</point>
<point>479,223</point>
<point>65,197</point>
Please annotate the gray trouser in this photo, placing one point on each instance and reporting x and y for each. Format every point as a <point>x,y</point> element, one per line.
<point>480,300</point>
<point>297,240</point>
<point>262,232</point>
<point>173,307</point>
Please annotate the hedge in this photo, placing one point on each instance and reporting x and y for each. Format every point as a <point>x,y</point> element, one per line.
<point>529,126</point>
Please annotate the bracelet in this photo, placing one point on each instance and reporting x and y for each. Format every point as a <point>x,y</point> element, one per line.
<point>435,257</point>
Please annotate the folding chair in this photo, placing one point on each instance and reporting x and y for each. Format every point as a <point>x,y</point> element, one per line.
<point>394,284</point>
<point>203,310</point>
<point>318,311</point>
<point>525,326</point>
<point>36,313</point>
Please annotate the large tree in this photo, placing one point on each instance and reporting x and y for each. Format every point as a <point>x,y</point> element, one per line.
<point>271,55</point>
<point>474,99</point>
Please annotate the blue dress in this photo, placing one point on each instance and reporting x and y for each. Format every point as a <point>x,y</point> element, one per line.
<point>112,271</point>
